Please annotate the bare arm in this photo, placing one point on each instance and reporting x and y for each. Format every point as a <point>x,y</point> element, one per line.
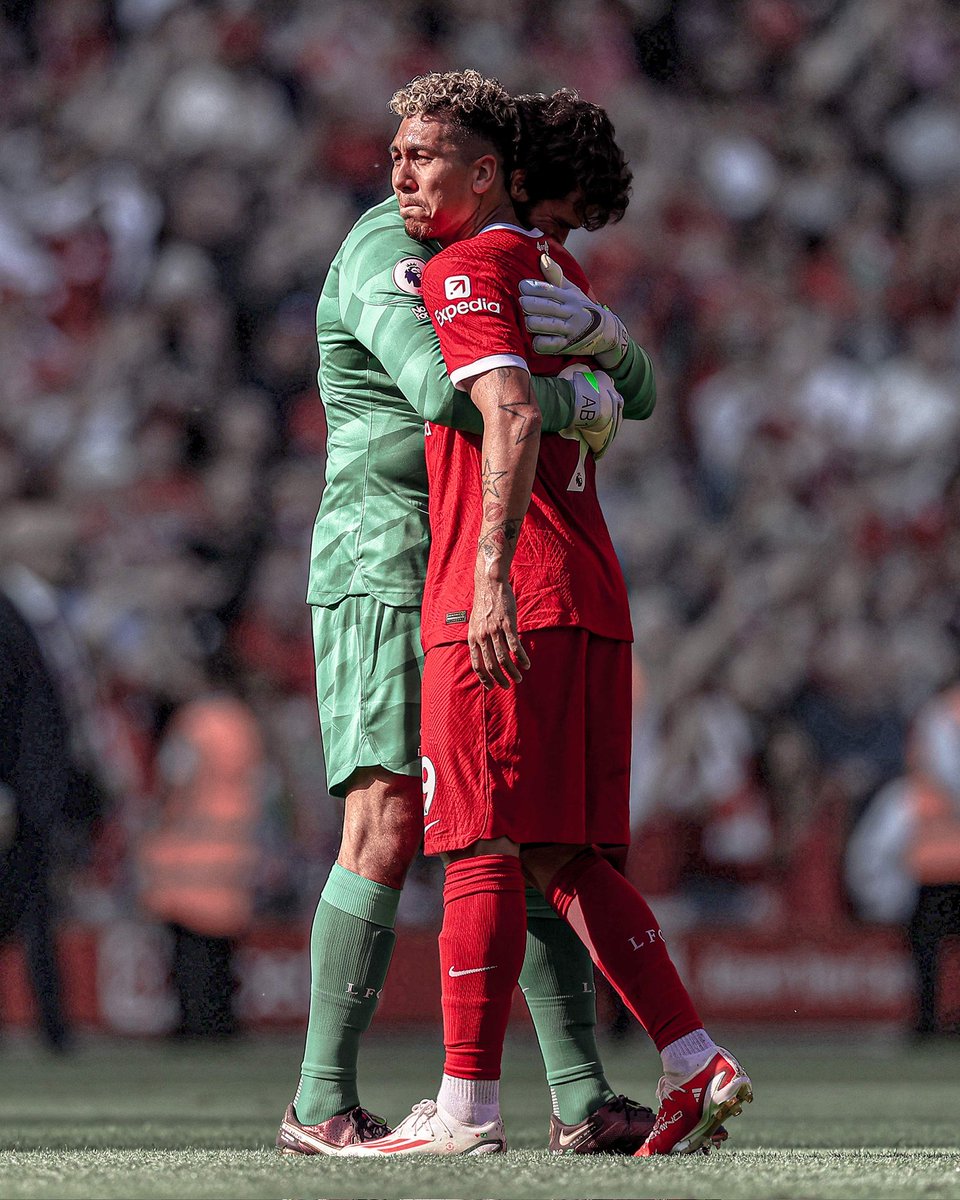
<point>511,444</point>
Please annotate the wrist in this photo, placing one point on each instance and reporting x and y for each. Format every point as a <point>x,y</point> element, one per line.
<point>617,342</point>
<point>609,360</point>
<point>492,570</point>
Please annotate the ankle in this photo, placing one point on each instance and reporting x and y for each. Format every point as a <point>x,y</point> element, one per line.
<point>687,1054</point>
<point>472,1101</point>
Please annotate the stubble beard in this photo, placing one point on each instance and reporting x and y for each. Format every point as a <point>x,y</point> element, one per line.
<point>418,230</point>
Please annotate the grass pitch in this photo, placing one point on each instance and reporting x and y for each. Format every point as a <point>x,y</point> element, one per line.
<point>140,1119</point>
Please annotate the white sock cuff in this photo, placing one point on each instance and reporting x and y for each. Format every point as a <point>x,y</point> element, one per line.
<point>688,1054</point>
<point>473,1101</point>
<point>697,1042</point>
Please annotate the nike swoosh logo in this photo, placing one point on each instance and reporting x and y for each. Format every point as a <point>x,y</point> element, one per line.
<point>571,1139</point>
<point>453,972</point>
<point>431,825</point>
<point>595,322</point>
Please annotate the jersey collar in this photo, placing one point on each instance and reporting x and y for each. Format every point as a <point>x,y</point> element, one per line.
<point>530,233</point>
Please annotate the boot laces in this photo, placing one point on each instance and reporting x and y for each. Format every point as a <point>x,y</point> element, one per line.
<point>366,1123</point>
<point>421,1115</point>
<point>630,1109</point>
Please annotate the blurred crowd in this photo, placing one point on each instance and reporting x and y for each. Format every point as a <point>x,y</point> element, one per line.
<point>175,176</point>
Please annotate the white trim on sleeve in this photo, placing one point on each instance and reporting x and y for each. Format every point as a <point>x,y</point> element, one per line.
<point>486,364</point>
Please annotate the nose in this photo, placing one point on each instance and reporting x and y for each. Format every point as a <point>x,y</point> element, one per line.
<point>401,178</point>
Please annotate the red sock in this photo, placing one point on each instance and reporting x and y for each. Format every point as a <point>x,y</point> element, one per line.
<point>482,944</point>
<point>623,936</point>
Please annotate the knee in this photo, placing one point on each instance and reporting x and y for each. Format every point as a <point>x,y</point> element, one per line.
<point>382,827</point>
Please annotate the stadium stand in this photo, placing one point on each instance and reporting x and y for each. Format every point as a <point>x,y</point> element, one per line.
<point>174,178</point>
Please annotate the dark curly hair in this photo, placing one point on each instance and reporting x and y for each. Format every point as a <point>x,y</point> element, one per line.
<point>567,144</point>
<point>474,106</point>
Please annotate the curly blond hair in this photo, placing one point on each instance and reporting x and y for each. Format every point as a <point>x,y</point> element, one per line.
<point>474,106</point>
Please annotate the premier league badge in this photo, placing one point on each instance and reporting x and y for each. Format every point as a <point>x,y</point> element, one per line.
<point>408,275</point>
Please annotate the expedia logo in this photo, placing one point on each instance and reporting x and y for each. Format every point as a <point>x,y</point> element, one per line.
<point>457,287</point>
<point>445,315</point>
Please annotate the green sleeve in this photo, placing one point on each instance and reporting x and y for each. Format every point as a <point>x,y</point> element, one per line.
<point>409,352</point>
<point>555,397</point>
<point>396,329</point>
<point>633,379</point>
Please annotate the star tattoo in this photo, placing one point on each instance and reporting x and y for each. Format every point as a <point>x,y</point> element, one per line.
<point>489,480</point>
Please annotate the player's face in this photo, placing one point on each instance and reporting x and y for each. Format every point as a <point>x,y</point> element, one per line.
<point>556,217</point>
<point>435,181</point>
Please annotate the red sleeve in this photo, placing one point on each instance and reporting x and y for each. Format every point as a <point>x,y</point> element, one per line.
<point>472,305</point>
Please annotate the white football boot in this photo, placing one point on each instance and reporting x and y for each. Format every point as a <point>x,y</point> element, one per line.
<point>431,1130</point>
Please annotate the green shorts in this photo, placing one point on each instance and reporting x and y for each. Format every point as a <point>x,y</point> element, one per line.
<point>369,664</point>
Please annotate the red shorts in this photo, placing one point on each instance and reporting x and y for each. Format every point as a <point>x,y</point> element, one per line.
<point>546,760</point>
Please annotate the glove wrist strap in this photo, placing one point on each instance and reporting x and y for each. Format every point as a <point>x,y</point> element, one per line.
<point>609,360</point>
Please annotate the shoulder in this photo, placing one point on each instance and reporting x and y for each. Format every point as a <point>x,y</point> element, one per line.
<point>491,255</point>
<point>451,258</point>
<point>378,258</point>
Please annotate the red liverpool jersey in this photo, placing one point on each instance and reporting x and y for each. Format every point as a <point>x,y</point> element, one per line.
<point>565,570</point>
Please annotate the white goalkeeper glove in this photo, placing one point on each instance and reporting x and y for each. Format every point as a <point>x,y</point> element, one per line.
<point>597,408</point>
<point>564,320</point>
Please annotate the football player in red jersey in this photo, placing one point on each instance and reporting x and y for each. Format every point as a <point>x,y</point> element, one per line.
<point>526,628</point>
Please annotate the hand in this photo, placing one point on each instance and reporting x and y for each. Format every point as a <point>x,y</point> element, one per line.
<point>565,320</point>
<point>496,651</point>
<point>597,405</point>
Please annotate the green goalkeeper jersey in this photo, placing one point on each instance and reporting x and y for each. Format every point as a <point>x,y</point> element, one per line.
<point>381,376</point>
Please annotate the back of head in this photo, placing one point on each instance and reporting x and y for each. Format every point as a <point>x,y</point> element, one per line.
<point>935,743</point>
<point>568,145</point>
<point>476,109</point>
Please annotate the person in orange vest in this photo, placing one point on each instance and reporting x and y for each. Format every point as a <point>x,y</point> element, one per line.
<point>198,864</point>
<point>903,858</point>
<point>933,850</point>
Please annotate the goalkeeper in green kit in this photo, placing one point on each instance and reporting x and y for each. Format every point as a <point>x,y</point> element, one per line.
<point>383,382</point>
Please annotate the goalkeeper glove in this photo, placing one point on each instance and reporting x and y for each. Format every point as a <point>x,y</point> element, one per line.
<point>597,407</point>
<point>564,320</point>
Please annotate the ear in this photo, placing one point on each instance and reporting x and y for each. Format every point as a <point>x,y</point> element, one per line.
<point>485,171</point>
<point>518,185</point>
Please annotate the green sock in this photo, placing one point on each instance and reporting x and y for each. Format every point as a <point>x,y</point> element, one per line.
<point>350,950</point>
<point>558,986</point>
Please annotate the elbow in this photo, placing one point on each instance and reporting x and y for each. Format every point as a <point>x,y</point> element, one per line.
<point>643,405</point>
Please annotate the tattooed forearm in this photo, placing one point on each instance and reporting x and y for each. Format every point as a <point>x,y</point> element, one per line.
<point>508,465</point>
<point>493,541</point>
<point>521,410</point>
